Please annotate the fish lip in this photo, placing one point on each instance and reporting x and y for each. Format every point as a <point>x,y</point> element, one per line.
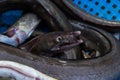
<point>66,46</point>
<point>71,45</point>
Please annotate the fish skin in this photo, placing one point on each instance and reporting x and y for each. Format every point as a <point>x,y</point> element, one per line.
<point>47,42</point>
<point>20,31</point>
<point>29,73</point>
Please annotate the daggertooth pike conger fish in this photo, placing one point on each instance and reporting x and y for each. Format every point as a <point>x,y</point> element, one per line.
<point>53,42</point>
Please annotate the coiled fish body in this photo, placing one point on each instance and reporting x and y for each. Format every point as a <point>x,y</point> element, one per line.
<point>17,71</point>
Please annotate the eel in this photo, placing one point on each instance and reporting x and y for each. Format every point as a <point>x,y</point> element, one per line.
<point>20,31</point>
<point>53,42</point>
<point>15,71</point>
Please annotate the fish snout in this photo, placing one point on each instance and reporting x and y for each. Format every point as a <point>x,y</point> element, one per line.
<point>76,33</point>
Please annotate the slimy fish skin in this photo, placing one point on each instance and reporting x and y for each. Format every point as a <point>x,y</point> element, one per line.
<point>20,31</point>
<point>18,71</point>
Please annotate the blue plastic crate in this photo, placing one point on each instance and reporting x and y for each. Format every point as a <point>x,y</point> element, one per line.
<point>8,18</point>
<point>104,9</point>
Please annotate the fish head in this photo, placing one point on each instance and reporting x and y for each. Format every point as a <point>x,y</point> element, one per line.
<point>61,41</point>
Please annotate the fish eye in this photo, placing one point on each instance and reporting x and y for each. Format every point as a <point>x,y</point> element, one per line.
<point>59,38</point>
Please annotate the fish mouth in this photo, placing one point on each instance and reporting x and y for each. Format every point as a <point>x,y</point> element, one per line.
<point>17,71</point>
<point>66,46</point>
